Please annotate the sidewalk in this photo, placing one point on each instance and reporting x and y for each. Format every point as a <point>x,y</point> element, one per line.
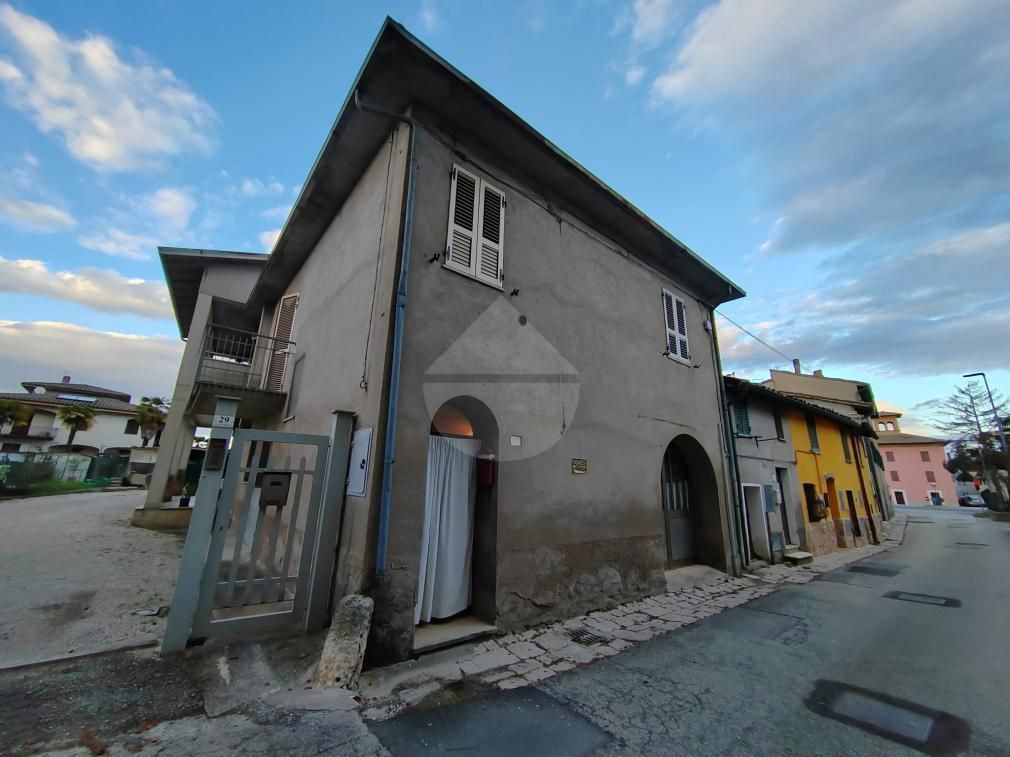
<point>521,659</point>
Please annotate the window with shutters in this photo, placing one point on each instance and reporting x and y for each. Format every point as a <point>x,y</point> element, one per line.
<point>741,414</point>
<point>890,456</point>
<point>845,447</point>
<point>924,456</point>
<point>475,240</point>
<point>930,477</point>
<point>815,444</point>
<point>675,318</point>
<point>894,476</point>
<point>780,430</point>
<point>280,347</point>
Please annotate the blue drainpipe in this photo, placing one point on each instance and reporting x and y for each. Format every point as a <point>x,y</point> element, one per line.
<point>399,320</point>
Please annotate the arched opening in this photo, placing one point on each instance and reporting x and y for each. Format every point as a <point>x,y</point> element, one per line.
<point>457,570</point>
<point>690,502</point>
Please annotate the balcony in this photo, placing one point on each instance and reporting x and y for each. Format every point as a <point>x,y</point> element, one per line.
<point>244,364</point>
<point>28,432</point>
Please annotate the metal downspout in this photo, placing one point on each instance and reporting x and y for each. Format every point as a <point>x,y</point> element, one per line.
<point>398,325</point>
<point>736,544</point>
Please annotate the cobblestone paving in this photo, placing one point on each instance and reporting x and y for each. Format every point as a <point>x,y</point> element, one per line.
<point>516,660</point>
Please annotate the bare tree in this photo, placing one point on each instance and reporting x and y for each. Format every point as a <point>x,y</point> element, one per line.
<point>966,415</point>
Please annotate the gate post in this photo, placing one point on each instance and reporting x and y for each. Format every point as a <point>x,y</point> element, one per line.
<point>331,512</point>
<point>194,553</point>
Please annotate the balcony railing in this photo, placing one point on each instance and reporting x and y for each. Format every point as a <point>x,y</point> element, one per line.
<point>235,357</point>
<point>28,432</point>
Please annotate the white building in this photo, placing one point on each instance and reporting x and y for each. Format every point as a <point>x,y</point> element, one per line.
<point>113,435</point>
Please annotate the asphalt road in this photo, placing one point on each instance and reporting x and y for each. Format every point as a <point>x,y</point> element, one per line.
<point>72,571</point>
<point>829,667</point>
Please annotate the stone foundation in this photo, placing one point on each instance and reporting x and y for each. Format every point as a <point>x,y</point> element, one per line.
<point>822,538</point>
<point>552,583</point>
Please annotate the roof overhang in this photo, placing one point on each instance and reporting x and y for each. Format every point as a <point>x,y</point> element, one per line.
<point>184,268</point>
<point>401,74</point>
<point>741,387</point>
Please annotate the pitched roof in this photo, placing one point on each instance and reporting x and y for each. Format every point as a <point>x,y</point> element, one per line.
<point>88,389</point>
<point>399,74</point>
<point>741,387</point>
<point>900,437</point>
<point>100,403</point>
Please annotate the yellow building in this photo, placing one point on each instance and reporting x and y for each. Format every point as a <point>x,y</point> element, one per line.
<point>835,480</point>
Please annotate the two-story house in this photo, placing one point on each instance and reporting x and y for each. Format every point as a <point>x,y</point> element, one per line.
<point>110,441</point>
<point>534,361</point>
<point>914,465</point>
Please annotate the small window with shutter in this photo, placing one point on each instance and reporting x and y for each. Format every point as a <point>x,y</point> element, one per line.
<point>280,347</point>
<point>675,317</point>
<point>741,414</point>
<point>475,240</point>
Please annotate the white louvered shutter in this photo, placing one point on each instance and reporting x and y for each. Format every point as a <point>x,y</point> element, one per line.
<point>675,316</point>
<point>283,328</point>
<point>461,237</point>
<point>491,240</point>
<point>682,347</point>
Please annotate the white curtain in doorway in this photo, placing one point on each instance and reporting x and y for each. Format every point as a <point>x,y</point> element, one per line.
<point>447,535</point>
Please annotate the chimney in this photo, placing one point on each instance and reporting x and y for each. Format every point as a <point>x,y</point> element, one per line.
<point>66,379</point>
<point>819,373</point>
<point>796,366</point>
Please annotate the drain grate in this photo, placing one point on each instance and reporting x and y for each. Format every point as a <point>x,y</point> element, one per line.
<point>928,730</point>
<point>924,599</point>
<point>873,570</point>
<point>582,636</point>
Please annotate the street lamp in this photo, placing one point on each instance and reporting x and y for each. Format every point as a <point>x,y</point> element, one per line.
<point>995,415</point>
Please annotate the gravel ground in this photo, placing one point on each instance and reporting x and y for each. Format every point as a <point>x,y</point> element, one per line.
<point>72,571</point>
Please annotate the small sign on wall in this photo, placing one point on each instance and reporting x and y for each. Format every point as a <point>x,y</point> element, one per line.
<point>580,465</point>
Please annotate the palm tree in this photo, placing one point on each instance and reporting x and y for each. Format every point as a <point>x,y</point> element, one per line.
<point>76,418</point>
<point>150,417</point>
<point>14,412</point>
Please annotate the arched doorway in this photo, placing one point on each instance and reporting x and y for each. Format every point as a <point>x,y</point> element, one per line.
<point>690,501</point>
<point>456,573</point>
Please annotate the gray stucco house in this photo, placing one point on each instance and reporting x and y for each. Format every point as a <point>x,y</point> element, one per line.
<point>532,361</point>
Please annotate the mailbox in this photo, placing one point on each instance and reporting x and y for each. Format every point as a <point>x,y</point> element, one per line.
<point>217,448</point>
<point>274,489</point>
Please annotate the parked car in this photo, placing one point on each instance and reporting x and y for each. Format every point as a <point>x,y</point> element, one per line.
<point>971,500</point>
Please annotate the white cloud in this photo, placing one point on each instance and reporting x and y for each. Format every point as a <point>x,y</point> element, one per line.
<point>650,21</point>
<point>120,244</point>
<point>137,364</point>
<point>30,159</point>
<point>105,290</point>
<point>269,238</point>
<point>35,216</point>
<point>257,188</point>
<point>429,16</point>
<point>633,74</point>
<point>172,206</point>
<point>110,113</point>
<point>855,111</point>
<point>278,213</point>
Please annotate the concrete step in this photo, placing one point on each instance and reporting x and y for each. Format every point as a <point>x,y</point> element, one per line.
<point>797,557</point>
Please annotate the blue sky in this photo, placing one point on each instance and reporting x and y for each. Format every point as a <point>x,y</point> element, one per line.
<point>847,162</point>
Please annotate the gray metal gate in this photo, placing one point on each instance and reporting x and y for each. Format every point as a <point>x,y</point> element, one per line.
<point>261,549</point>
<point>266,563</point>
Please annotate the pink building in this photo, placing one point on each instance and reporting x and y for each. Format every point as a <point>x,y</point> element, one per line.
<point>914,465</point>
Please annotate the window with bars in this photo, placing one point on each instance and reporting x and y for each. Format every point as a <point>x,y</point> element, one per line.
<point>894,475</point>
<point>475,240</point>
<point>889,455</point>
<point>675,318</point>
<point>924,455</point>
<point>931,477</point>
